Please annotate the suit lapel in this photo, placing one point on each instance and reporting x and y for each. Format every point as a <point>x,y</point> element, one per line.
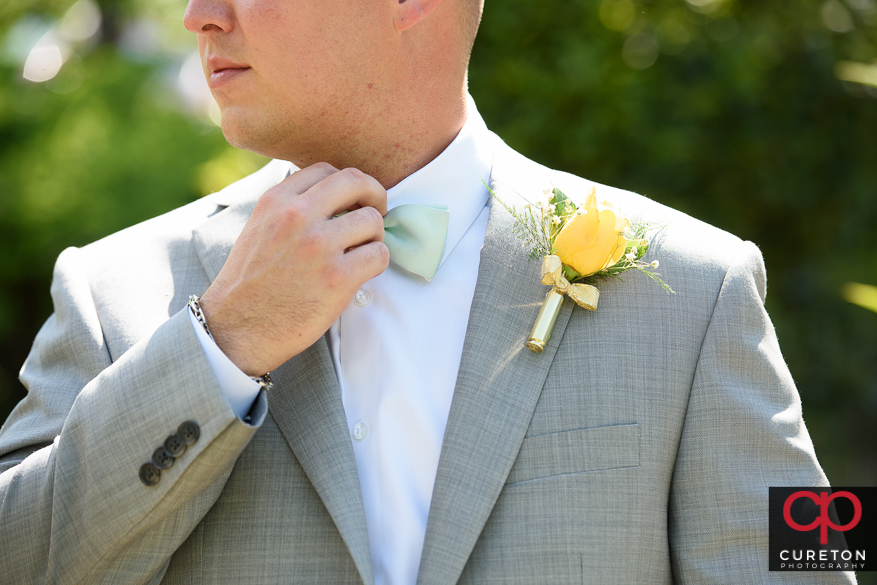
<point>306,401</point>
<point>498,385</point>
<point>306,404</point>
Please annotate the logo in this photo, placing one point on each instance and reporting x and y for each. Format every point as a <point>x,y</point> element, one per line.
<point>823,529</point>
<point>822,522</point>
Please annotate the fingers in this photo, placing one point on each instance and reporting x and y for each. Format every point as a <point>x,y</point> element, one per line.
<point>334,191</point>
<point>358,227</point>
<point>348,189</point>
<point>303,179</point>
<point>365,262</point>
<point>360,234</point>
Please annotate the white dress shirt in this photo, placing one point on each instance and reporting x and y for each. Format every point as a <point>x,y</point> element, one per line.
<point>396,351</point>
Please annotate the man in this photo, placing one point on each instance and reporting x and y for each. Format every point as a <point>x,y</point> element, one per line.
<point>409,437</point>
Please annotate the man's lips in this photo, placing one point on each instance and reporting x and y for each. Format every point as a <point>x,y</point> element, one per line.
<point>224,76</point>
<point>223,71</point>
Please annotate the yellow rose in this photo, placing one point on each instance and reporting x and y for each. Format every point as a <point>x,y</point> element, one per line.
<point>591,240</point>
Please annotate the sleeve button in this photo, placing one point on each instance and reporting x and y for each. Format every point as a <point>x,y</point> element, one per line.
<point>149,474</point>
<point>189,432</point>
<point>162,459</point>
<point>174,445</point>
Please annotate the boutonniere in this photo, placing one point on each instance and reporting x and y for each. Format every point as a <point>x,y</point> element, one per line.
<point>579,245</point>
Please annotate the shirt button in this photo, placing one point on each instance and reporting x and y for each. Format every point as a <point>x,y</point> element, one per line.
<point>360,431</point>
<point>362,298</point>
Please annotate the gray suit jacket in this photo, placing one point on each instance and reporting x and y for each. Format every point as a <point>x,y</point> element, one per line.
<point>638,448</point>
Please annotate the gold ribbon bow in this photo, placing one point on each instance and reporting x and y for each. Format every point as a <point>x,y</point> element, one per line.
<point>585,295</point>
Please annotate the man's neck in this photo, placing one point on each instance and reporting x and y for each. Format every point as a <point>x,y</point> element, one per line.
<point>386,145</point>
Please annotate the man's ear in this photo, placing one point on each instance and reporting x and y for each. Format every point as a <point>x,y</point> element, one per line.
<point>410,12</point>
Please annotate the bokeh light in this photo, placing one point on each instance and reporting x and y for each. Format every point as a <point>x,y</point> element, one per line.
<point>193,88</point>
<point>51,51</point>
<point>45,60</point>
<point>640,51</point>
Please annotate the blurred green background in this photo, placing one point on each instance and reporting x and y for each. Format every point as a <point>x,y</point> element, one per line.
<point>758,116</point>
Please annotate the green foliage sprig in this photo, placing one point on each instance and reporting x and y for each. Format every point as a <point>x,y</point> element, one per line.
<point>637,246</point>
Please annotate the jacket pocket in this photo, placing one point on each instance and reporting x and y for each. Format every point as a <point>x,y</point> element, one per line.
<point>594,449</point>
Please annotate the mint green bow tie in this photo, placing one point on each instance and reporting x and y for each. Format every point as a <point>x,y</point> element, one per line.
<point>416,236</point>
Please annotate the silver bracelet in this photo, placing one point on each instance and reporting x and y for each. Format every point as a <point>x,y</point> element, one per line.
<point>264,380</point>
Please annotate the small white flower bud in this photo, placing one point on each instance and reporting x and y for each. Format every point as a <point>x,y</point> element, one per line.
<point>547,190</point>
<point>654,264</point>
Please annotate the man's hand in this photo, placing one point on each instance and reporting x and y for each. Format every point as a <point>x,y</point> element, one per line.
<point>294,269</point>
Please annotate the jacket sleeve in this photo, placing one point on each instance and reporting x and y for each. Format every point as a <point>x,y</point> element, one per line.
<point>73,507</point>
<point>743,433</point>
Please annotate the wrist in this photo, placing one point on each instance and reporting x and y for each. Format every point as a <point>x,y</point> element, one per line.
<point>197,310</point>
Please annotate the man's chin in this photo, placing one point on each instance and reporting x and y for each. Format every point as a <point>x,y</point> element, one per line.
<point>266,137</point>
<point>244,138</point>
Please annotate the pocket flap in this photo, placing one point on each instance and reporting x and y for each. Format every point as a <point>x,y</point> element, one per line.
<point>576,452</point>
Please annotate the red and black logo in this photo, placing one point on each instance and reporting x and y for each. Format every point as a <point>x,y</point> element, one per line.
<point>823,529</point>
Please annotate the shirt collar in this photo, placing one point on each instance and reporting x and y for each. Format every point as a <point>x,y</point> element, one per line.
<point>455,178</point>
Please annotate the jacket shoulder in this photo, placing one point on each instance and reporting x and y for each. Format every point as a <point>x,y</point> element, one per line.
<point>164,230</point>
